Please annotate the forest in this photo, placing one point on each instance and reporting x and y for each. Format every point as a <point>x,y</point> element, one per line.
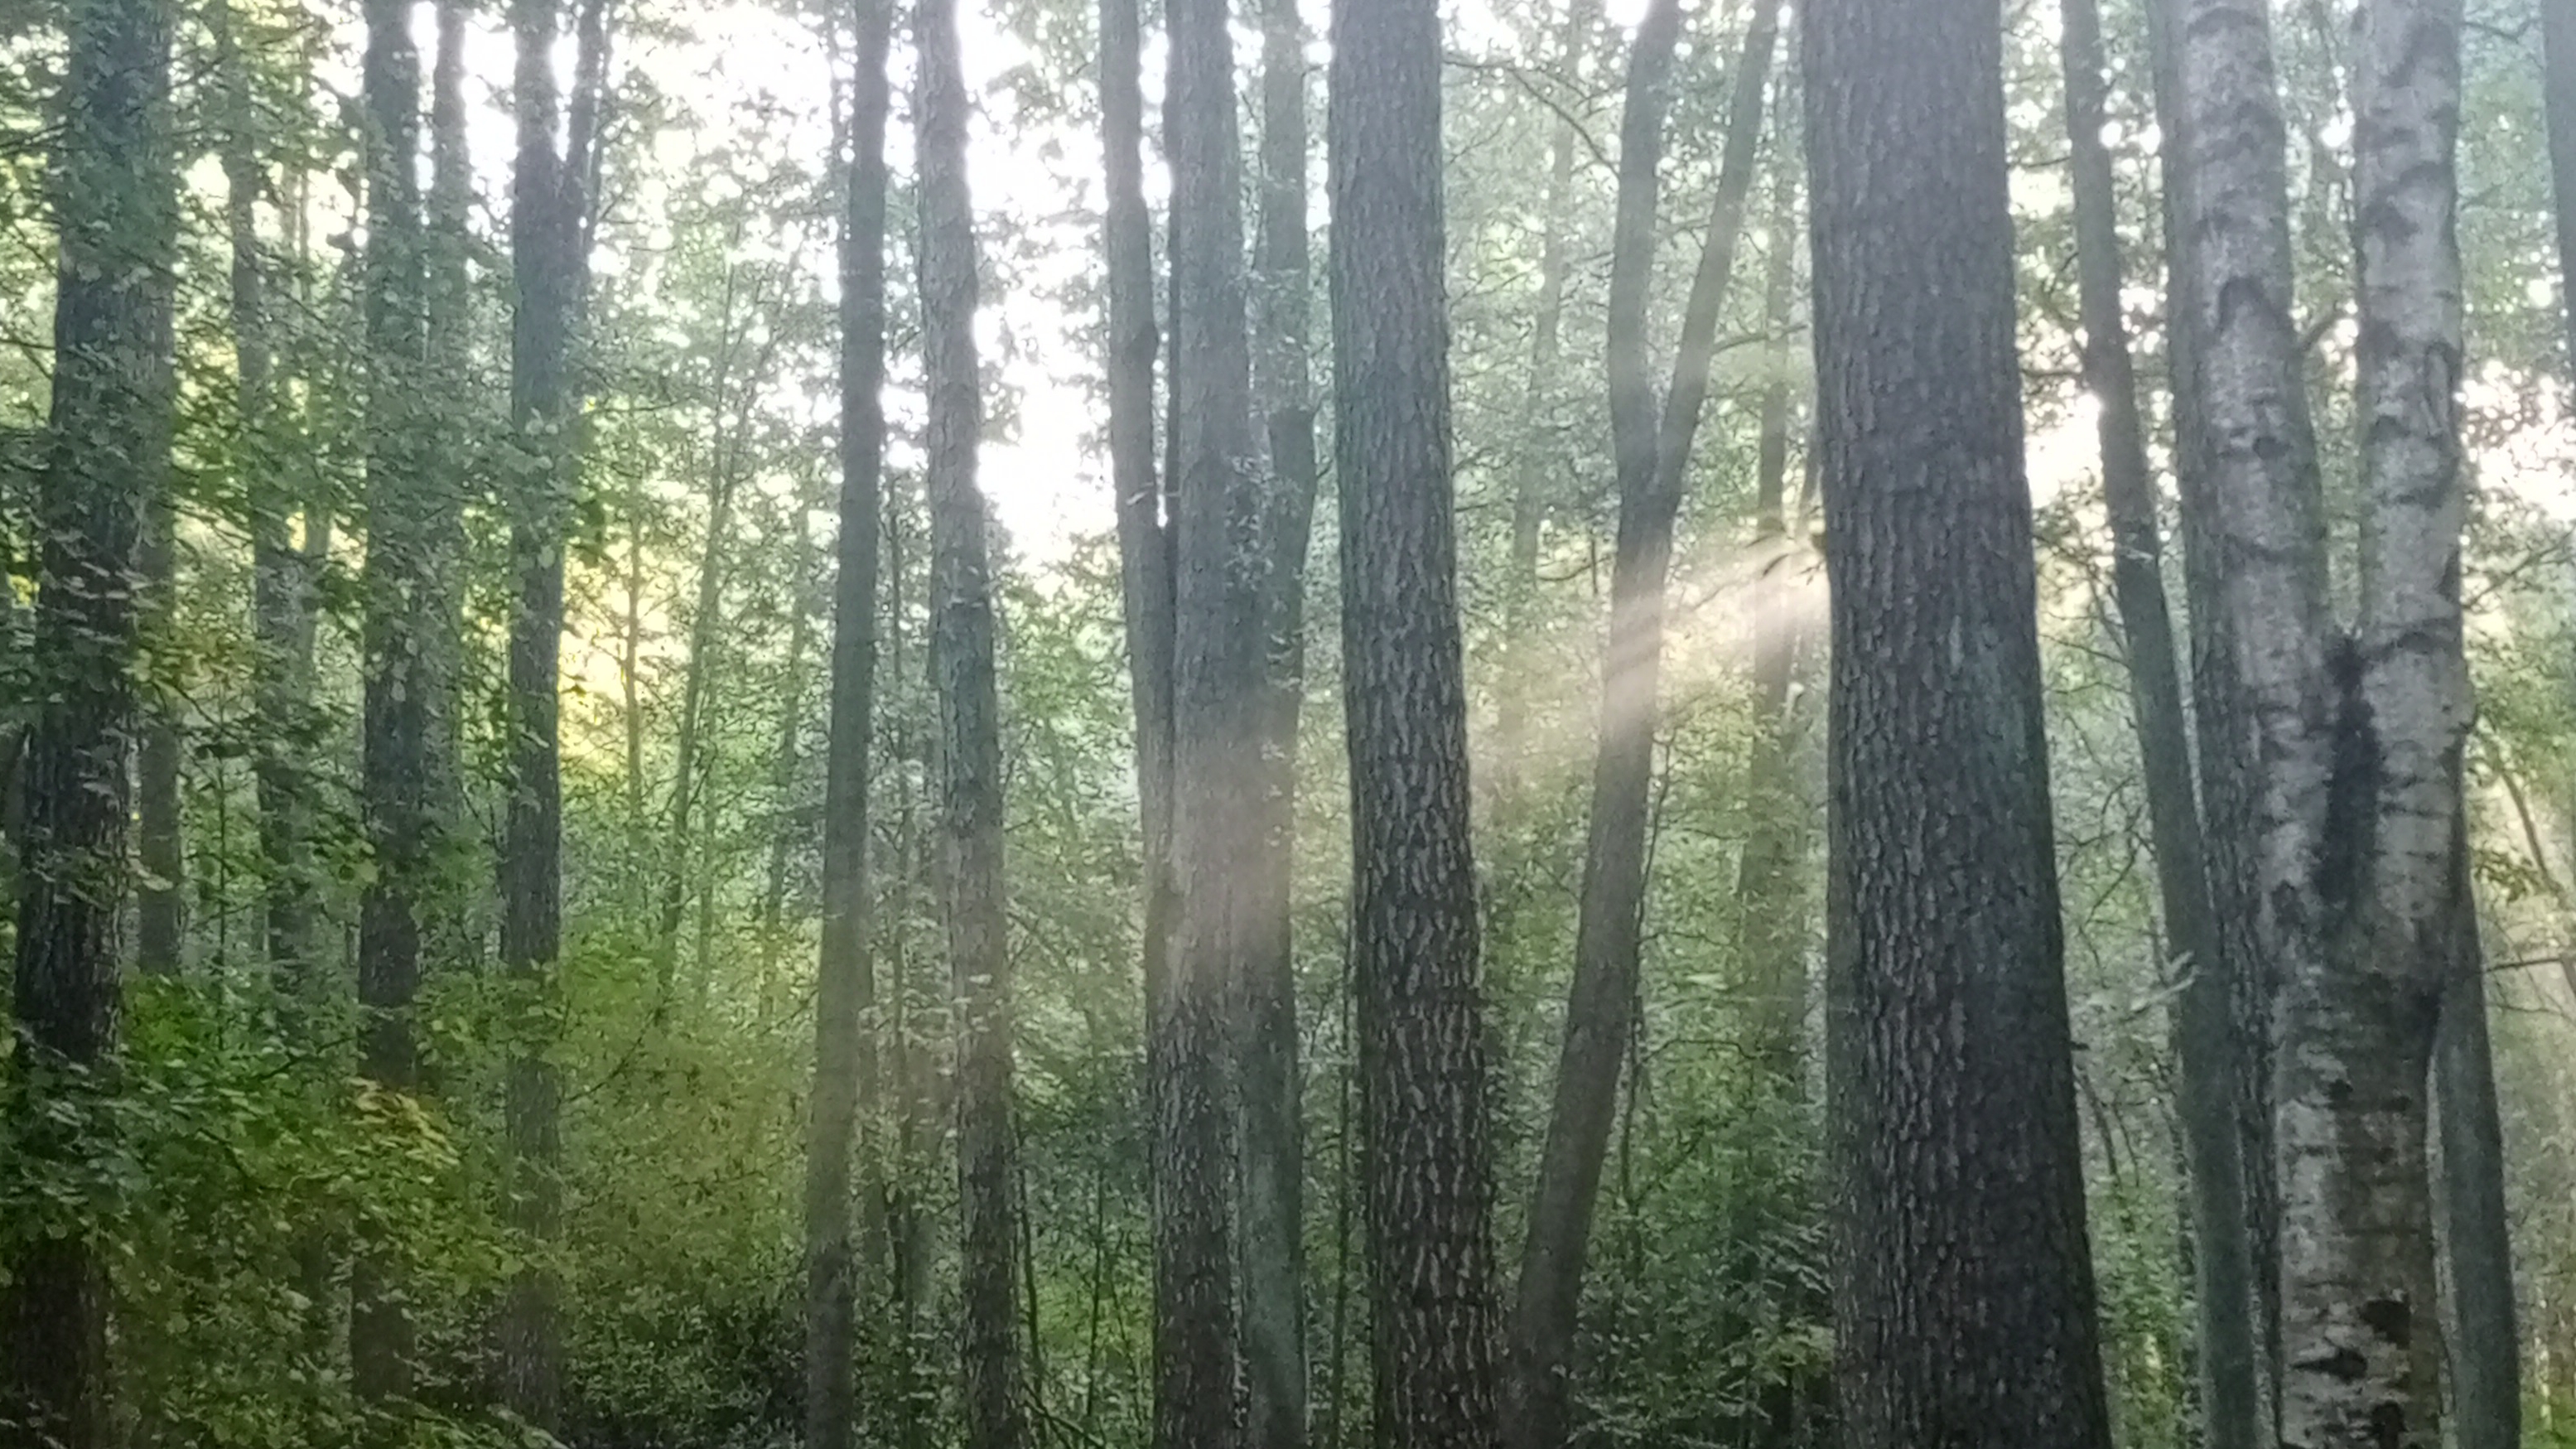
<point>1374,724</point>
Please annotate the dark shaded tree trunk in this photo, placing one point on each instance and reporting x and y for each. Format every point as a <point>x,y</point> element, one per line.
<point>969,756</point>
<point>109,428</point>
<point>1963,1293</point>
<point>845,1065</point>
<point>1271,1209</point>
<point>2479,1330</point>
<point>1221,710</point>
<point>1651,442</point>
<point>549,260</point>
<point>1423,1045</point>
<point>2204,1020</point>
<point>395,788</point>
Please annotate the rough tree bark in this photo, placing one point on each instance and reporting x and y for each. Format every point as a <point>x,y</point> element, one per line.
<point>1219,864</point>
<point>1270,1214</point>
<point>1416,964</point>
<point>394,770</point>
<point>1963,1291</point>
<point>2204,1021</point>
<point>845,1067</point>
<point>548,235</point>
<point>1651,442</point>
<point>970,751</point>
<point>109,451</point>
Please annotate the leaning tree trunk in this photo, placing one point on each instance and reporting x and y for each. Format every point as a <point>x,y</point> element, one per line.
<point>394,774</point>
<point>1220,865</point>
<point>548,238</point>
<point>1652,448</point>
<point>111,422</point>
<point>845,1067</point>
<point>1963,1292</point>
<point>2204,1020</point>
<point>1271,1211</point>
<point>970,750</point>
<point>1423,1043</point>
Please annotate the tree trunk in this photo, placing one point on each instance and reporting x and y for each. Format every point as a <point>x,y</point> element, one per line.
<point>2203,1018</point>
<point>1770,891</point>
<point>1270,1125</point>
<point>1423,1044</point>
<point>161,882</point>
<point>845,1065</point>
<point>2222,724</point>
<point>2474,1228</point>
<point>394,777</point>
<point>1221,707</point>
<point>1963,1293</point>
<point>455,923</point>
<point>1653,459</point>
<point>2360,1337</point>
<point>548,235</point>
<point>281,588</point>
<point>2558,104</point>
<point>787,762</point>
<point>1530,471</point>
<point>111,422</point>
<point>970,749</point>
<point>705,629</point>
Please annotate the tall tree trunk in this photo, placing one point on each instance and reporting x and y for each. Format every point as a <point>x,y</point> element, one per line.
<point>280,585</point>
<point>548,236</point>
<point>1963,1295</point>
<point>2558,104</point>
<point>912,1072</point>
<point>2474,1228</point>
<point>1770,899</point>
<point>705,628</point>
<point>1270,1126</point>
<point>1423,1044</point>
<point>787,762</point>
<point>1652,448</point>
<point>2360,1338</point>
<point>455,923</point>
<point>2226,1350</point>
<point>970,748</point>
<point>845,1066</point>
<point>110,427</point>
<point>161,880</point>
<point>1530,471</point>
<point>394,778</point>
<point>2222,724</point>
<point>1221,707</point>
